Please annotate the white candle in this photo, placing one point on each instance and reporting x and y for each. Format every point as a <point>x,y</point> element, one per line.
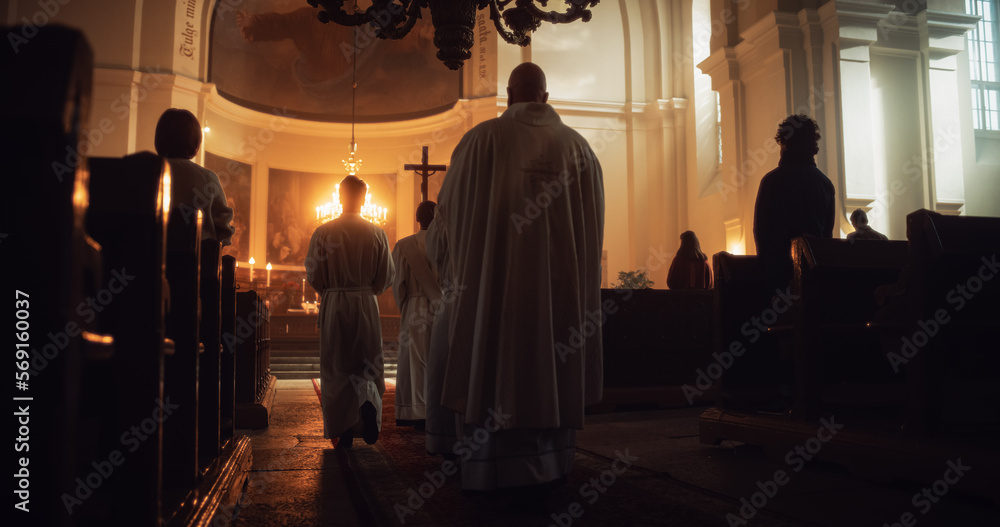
<point>303,290</point>
<point>251,269</point>
<point>268,274</point>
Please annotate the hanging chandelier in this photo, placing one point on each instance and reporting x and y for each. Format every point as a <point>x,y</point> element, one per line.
<point>333,209</point>
<point>454,20</point>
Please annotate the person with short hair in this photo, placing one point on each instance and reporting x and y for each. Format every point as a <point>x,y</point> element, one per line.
<point>192,187</point>
<point>689,268</point>
<point>793,200</point>
<point>349,264</point>
<point>520,227</point>
<point>417,293</point>
<point>862,231</point>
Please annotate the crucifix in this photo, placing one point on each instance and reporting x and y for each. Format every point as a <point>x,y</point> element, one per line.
<point>424,171</point>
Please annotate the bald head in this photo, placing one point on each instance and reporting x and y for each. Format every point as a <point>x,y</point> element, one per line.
<point>526,84</point>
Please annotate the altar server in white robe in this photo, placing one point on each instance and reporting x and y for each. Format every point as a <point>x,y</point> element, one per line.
<point>350,264</point>
<point>417,295</point>
<point>521,217</point>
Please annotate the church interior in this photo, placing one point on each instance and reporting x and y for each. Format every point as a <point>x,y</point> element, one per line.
<point>165,379</point>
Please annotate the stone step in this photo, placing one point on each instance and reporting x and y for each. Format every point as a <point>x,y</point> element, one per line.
<point>295,353</point>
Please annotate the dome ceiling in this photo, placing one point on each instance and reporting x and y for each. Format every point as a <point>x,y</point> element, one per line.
<point>275,56</point>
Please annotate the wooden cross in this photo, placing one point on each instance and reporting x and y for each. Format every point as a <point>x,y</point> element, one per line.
<point>424,171</point>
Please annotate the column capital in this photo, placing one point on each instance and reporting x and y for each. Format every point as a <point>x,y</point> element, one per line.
<point>722,66</point>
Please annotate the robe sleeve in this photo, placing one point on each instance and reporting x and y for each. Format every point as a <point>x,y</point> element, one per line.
<point>400,282</point>
<point>385,271</point>
<point>437,244</point>
<point>222,214</point>
<point>315,274</point>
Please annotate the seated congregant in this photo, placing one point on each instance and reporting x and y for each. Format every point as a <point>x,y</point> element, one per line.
<point>862,231</point>
<point>192,187</point>
<point>689,269</point>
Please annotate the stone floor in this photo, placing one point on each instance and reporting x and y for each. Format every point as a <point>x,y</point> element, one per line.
<point>297,479</point>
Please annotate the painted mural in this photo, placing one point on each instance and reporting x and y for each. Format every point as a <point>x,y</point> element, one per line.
<point>235,179</point>
<point>276,56</point>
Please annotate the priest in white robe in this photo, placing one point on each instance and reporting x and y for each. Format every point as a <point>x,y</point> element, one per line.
<point>417,293</point>
<point>520,218</point>
<point>349,263</point>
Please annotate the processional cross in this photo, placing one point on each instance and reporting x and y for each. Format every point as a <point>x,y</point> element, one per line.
<point>424,171</point>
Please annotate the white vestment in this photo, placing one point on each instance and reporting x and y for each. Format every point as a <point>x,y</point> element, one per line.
<point>520,222</point>
<point>349,263</point>
<point>417,292</point>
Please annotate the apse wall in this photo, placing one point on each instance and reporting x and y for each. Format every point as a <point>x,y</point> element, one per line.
<point>620,79</point>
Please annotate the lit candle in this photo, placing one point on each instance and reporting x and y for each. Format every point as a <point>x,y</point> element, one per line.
<point>303,290</point>
<point>251,269</point>
<point>268,274</point>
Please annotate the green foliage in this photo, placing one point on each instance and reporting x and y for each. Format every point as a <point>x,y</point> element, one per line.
<point>632,280</point>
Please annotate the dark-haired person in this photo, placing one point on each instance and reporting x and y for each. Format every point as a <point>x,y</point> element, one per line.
<point>689,268</point>
<point>349,264</point>
<point>192,187</point>
<point>415,289</point>
<point>794,199</point>
<point>862,231</point>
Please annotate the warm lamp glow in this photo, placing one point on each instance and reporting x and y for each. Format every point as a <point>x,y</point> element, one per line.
<point>333,209</point>
<point>166,190</point>
<point>351,165</point>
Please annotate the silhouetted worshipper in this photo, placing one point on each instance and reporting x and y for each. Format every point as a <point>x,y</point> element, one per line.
<point>417,295</point>
<point>689,269</point>
<point>520,218</point>
<point>192,187</point>
<point>349,262</point>
<point>794,199</point>
<point>862,231</point>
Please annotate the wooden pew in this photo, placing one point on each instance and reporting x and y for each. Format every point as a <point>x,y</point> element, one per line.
<point>180,453</point>
<point>251,341</point>
<point>209,380</point>
<point>945,312</point>
<point>741,296</point>
<point>127,217</point>
<point>654,341</point>
<point>839,365</point>
<point>51,265</point>
<point>227,360</point>
<point>918,429</point>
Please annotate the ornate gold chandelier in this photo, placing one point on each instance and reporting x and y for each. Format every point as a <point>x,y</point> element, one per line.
<point>454,20</point>
<point>333,209</point>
